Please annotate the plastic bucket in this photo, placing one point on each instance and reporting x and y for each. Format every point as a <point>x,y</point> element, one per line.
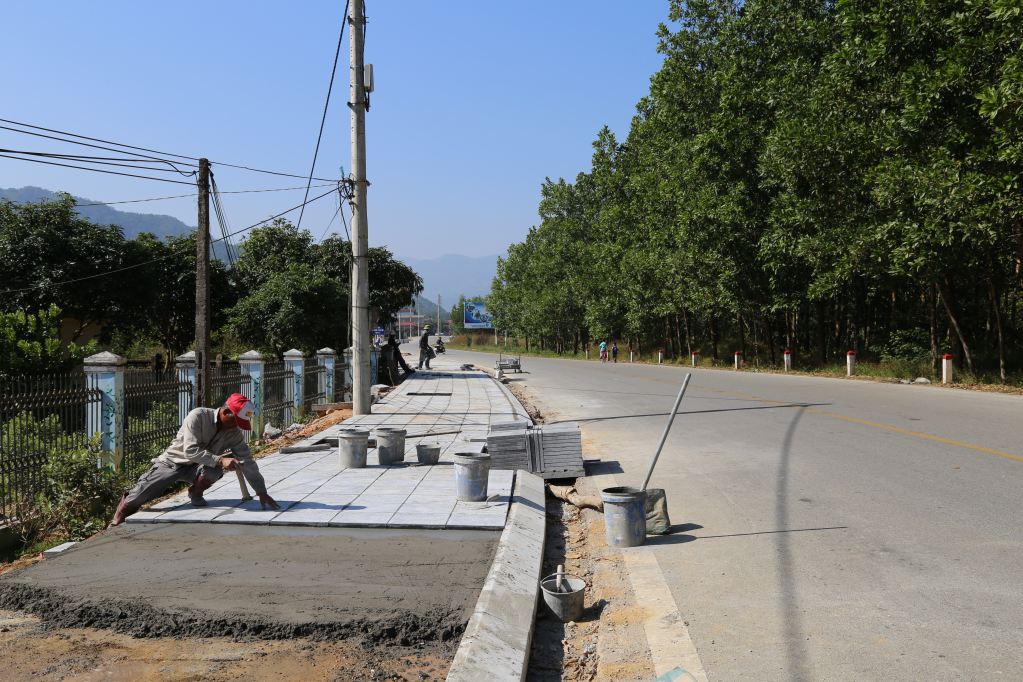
<point>624,516</point>
<point>472,471</point>
<point>566,606</point>
<point>352,445</point>
<point>428,453</point>
<point>390,445</point>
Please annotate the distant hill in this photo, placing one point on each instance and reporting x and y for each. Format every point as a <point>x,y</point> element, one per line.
<point>452,275</point>
<point>131,224</point>
<point>429,307</point>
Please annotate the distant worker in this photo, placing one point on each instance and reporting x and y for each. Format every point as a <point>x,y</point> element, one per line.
<point>195,455</point>
<point>396,349</point>
<point>603,351</point>
<point>424,348</point>
<point>614,351</point>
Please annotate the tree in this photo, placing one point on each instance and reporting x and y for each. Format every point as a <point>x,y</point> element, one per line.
<point>30,344</point>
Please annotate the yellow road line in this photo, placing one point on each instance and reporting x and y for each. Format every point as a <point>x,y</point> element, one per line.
<point>826,414</point>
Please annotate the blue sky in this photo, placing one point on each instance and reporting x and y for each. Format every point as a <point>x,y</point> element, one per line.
<point>475,103</point>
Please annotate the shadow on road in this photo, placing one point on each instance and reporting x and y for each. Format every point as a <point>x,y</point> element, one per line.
<point>681,413</point>
<point>794,650</point>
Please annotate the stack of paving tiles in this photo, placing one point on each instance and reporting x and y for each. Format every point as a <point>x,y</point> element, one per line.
<point>561,450</point>
<point>552,451</point>
<point>506,445</point>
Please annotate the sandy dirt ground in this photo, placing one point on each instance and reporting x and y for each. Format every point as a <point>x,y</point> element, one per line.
<point>31,651</point>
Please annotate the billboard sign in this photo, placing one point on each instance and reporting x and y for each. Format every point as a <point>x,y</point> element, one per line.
<point>477,317</point>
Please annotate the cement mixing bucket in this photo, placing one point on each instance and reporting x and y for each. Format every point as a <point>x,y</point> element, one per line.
<point>624,516</point>
<point>428,453</point>
<point>566,606</point>
<point>390,445</point>
<point>472,472</point>
<point>352,445</point>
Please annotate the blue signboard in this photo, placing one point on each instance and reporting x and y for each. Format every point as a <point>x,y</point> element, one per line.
<point>477,317</point>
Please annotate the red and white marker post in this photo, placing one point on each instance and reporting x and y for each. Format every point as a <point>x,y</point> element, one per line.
<point>696,358</point>
<point>660,357</point>
<point>587,353</point>
<point>946,369</point>
<point>630,355</point>
<point>738,359</point>
<point>788,361</point>
<point>850,363</point>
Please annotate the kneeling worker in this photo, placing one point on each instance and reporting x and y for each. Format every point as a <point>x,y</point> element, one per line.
<point>195,456</point>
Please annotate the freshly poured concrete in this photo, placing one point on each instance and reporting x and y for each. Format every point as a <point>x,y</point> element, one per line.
<point>313,490</point>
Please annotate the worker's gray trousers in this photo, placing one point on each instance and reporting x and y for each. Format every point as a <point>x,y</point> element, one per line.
<point>162,475</point>
<point>424,356</point>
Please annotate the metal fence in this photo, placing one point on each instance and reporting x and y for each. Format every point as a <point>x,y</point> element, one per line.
<point>153,403</point>
<point>314,388</point>
<point>278,394</point>
<point>39,415</point>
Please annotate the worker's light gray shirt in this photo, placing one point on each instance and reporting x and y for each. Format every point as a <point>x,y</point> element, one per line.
<point>199,442</point>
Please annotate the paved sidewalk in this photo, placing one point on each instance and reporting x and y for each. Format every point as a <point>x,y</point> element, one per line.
<point>313,490</point>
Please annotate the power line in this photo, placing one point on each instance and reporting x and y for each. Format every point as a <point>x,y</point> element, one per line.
<point>86,144</point>
<point>326,104</point>
<point>96,170</point>
<point>128,146</point>
<point>182,196</point>
<point>103,161</point>
<point>155,260</point>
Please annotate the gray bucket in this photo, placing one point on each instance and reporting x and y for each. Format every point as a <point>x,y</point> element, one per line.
<point>624,516</point>
<point>566,606</point>
<point>472,472</point>
<point>390,445</point>
<point>352,445</point>
<point>428,453</point>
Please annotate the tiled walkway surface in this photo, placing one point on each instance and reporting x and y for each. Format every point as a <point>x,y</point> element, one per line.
<point>313,490</point>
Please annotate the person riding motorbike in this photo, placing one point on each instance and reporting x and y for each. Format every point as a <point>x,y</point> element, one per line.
<point>439,346</point>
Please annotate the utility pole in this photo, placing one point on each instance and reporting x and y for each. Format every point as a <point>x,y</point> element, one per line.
<point>440,324</point>
<point>360,226</point>
<point>201,387</point>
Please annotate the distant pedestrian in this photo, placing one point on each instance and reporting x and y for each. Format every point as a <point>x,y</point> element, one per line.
<point>603,351</point>
<point>424,348</point>
<point>396,349</point>
<point>614,351</point>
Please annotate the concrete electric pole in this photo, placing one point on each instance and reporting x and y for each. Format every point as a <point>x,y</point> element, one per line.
<point>360,227</point>
<point>201,386</point>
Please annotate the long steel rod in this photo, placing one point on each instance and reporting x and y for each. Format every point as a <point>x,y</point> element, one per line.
<point>667,427</point>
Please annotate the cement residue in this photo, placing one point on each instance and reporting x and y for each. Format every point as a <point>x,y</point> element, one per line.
<point>406,591</point>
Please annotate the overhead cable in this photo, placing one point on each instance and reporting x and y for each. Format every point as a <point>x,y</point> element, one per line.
<point>97,170</point>
<point>182,196</point>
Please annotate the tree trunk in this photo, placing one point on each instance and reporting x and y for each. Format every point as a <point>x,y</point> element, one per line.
<point>769,333</point>
<point>742,336</point>
<point>821,349</point>
<point>951,317</point>
<point>998,323</point>
<point>714,339</point>
<point>685,319</point>
<point>934,330</point>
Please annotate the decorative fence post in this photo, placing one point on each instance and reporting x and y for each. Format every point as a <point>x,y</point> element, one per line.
<point>297,361</point>
<point>696,358</point>
<point>349,380</point>
<point>850,363</point>
<point>326,380</point>
<point>374,364</point>
<point>946,369</point>
<point>105,371</point>
<point>788,361</point>
<point>738,359</point>
<point>253,363</point>
<point>186,372</point>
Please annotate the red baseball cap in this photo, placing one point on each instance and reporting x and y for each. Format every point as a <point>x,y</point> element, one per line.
<point>243,410</point>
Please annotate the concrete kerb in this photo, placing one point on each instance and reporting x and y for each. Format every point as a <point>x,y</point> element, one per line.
<point>496,642</point>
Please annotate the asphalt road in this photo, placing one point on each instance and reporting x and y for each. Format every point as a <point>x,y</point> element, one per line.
<point>825,529</point>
